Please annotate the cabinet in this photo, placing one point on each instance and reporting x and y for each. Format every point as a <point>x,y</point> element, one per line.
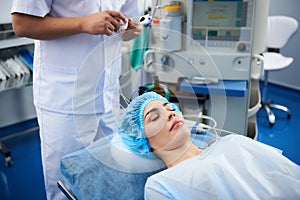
<point>16,96</point>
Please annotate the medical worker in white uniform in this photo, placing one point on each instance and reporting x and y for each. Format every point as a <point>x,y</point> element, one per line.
<point>66,31</point>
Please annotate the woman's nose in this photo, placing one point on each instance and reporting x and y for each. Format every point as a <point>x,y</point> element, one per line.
<point>171,115</point>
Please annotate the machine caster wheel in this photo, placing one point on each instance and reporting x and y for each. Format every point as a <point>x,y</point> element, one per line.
<point>8,162</point>
<point>289,116</point>
<point>271,125</point>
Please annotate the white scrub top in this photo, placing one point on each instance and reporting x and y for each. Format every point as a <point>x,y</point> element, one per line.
<point>59,78</point>
<point>236,168</point>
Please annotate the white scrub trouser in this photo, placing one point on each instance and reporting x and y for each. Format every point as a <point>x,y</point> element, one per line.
<point>64,133</point>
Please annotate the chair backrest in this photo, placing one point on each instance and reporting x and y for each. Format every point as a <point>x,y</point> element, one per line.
<point>280,29</point>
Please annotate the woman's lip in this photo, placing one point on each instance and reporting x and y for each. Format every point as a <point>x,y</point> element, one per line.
<point>176,124</point>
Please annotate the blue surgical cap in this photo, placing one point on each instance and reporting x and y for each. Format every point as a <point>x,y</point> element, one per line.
<point>131,128</point>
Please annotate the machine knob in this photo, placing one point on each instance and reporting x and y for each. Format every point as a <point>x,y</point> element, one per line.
<point>165,36</point>
<point>241,47</point>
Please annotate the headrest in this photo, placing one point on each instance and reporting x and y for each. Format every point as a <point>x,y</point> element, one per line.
<point>130,161</point>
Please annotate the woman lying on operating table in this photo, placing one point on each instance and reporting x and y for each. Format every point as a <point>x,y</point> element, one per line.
<point>233,167</point>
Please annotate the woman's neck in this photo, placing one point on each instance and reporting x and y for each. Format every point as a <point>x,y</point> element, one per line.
<point>175,156</point>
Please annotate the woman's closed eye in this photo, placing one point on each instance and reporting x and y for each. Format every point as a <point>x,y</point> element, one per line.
<point>154,113</point>
<point>153,117</point>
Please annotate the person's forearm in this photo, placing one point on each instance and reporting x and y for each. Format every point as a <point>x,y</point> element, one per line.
<point>45,28</point>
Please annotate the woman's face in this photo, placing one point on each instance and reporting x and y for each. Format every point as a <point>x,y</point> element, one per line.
<point>165,129</point>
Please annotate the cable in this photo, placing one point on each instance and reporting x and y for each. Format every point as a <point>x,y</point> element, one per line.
<point>155,8</point>
<point>201,126</point>
<point>201,116</point>
<point>226,131</point>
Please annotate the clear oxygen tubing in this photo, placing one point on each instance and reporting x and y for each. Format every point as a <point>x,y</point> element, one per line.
<point>201,126</point>
<point>198,127</point>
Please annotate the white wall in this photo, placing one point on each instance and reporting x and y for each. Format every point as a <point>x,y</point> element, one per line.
<point>143,5</point>
<point>5,7</point>
<point>289,77</point>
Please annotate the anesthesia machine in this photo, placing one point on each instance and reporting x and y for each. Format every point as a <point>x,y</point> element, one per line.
<point>206,53</point>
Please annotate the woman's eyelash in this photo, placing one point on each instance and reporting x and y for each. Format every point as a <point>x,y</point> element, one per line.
<point>154,116</point>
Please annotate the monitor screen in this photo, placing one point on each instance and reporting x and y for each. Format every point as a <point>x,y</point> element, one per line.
<point>218,19</point>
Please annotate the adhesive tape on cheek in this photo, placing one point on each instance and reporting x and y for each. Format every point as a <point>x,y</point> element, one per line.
<point>123,25</point>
